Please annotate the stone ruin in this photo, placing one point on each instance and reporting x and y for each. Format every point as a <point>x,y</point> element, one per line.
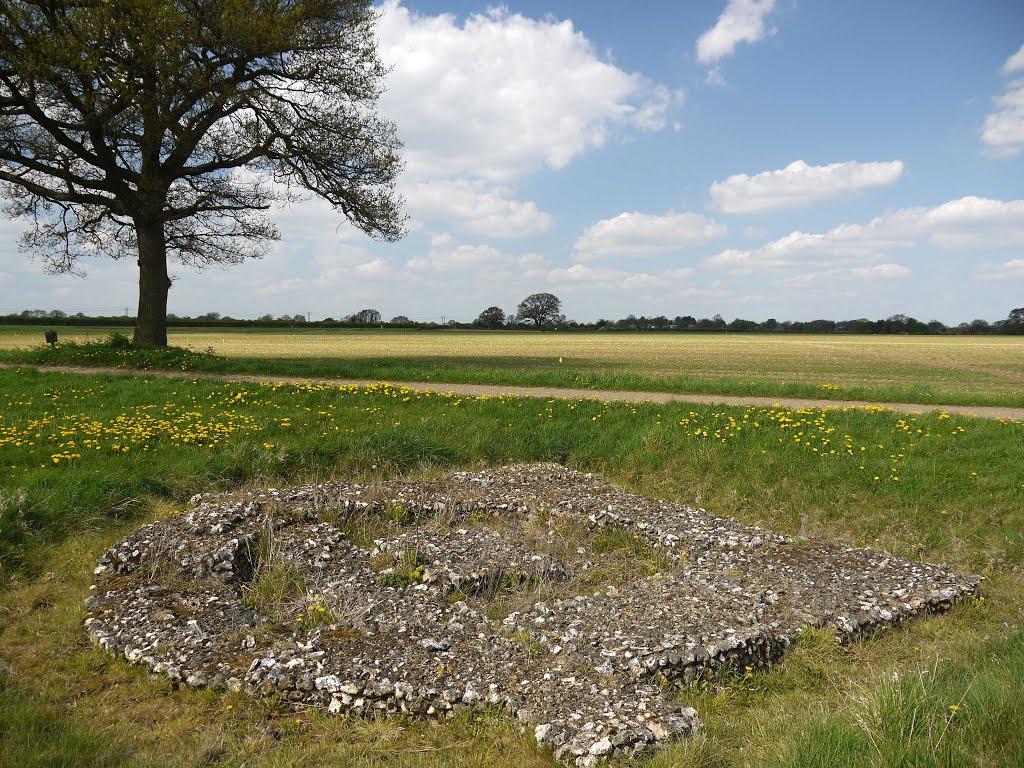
<point>544,592</point>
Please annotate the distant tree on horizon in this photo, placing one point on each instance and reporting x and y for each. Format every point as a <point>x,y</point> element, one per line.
<point>492,317</point>
<point>365,316</point>
<point>540,309</point>
<point>1015,321</point>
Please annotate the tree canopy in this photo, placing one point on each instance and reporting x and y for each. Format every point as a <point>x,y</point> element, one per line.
<point>165,129</point>
<point>540,309</point>
<point>365,316</point>
<point>492,317</point>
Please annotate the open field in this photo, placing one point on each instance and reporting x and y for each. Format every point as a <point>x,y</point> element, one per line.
<point>968,370</point>
<point>84,459</point>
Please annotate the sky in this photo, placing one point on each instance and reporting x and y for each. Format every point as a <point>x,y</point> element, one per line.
<point>750,158</point>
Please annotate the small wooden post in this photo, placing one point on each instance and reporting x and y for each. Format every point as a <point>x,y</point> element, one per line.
<point>51,337</point>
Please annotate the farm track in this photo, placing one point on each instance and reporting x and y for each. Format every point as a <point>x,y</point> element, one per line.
<point>475,390</point>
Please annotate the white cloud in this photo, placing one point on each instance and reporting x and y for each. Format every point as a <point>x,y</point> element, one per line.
<point>1003,133</point>
<point>290,286</point>
<point>1012,269</point>
<point>652,113</point>
<point>582,273</point>
<point>1015,63</point>
<point>531,266</point>
<point>967,224</point>
<point>587,277</point>
<point>715,77</point>
<point>800,184</point>
<point>325,255</point>
<point>476,207</point>
<point>312,218</point>
<point>809,279</point>
<point>374,268</point>
<point>742,21</point>
<point>458,257</point>
<point>501,96</point>
<point>532,260</point>
<point>481,263</point>
<point>886,271</point>
<point>640,234</point>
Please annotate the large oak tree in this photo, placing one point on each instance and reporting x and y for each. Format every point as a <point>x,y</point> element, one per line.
<point>541,309</point>
<point>165,129</point>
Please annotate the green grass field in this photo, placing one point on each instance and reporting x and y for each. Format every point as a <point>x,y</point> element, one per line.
<point>86,458</point>
<point>967,370</point>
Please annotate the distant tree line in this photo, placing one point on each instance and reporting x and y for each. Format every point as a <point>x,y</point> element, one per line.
<point>894,324</point>
<point>543,311</point>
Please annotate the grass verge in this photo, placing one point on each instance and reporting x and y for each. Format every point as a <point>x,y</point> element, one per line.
<point>711,371</point>
<point>85,458</point>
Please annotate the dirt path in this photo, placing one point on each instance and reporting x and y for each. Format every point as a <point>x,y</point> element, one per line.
<point>988,412</point>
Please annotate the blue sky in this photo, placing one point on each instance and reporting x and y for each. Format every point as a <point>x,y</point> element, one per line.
<point>751,158</point>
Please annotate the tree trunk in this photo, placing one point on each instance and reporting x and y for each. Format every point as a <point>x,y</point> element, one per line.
<point>151,321</point>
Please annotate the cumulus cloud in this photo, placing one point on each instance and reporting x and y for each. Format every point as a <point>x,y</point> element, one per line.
<point>374,268</point>
<point>800,184</point>
<point>715,77</point>
<point>310,219</point>
<point>641,234</point>
<point>1015,63</point>
<point>887,271</point>
<point>1003,133</point>
<point>458,257</point>
<point>501,96</point>
<point>477,207</point>
<point>586,277</point>
<point>1012,269</point>
<point>967,224</point>
<point>806,279</point>
<point>742,21</point>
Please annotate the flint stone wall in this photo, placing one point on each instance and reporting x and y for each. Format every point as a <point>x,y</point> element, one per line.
<point>584,671</point>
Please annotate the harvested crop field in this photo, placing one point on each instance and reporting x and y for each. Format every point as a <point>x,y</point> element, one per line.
<point>971,370</point>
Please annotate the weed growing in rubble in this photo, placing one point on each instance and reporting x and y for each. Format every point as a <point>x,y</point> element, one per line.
<point>400,569</point>
<point>277,585</point>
